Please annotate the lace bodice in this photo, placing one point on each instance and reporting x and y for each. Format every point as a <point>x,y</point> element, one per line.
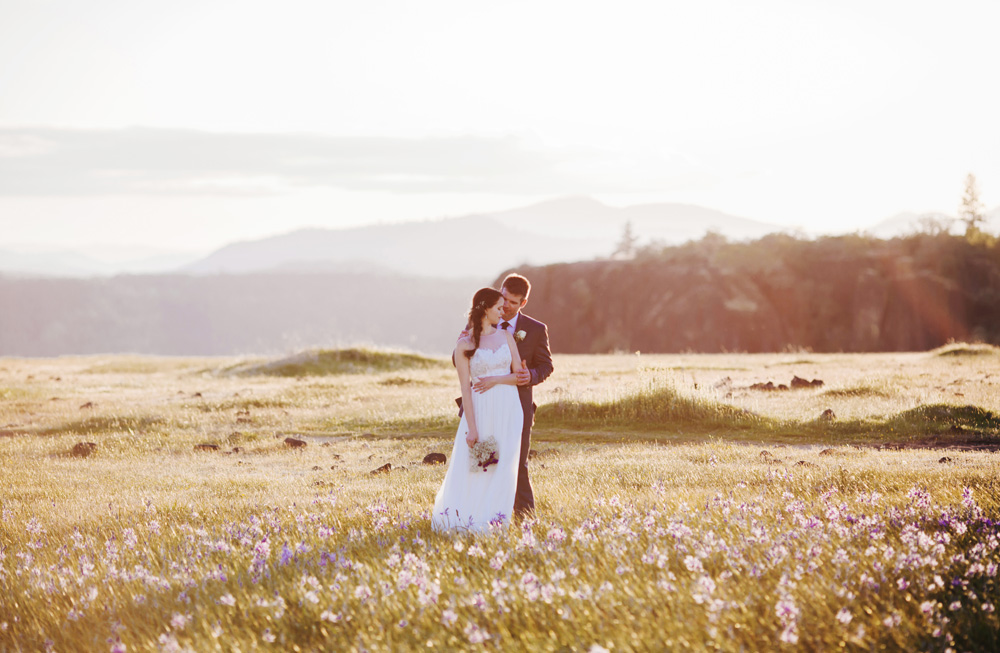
<point>492,358</point>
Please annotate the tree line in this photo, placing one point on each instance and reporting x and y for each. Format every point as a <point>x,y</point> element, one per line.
<point>838,293</point>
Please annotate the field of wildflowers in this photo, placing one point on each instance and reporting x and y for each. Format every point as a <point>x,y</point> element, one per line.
<point>150,545</point>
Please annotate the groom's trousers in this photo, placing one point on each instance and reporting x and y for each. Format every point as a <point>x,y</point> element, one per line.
<point>524,498</point>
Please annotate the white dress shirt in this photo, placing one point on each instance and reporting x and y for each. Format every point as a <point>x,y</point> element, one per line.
<point>513,323</point>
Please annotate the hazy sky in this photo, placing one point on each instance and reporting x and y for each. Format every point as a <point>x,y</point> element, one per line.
<point>189,124</point>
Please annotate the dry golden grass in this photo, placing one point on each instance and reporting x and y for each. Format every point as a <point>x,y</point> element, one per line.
<point>613,567</point>
<point>156,397</point>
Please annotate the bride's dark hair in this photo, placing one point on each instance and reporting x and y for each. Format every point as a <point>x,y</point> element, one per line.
<point>483,299</point>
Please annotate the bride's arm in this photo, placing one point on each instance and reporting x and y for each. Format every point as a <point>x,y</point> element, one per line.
<point>515,357</point>
<point>464,375</point>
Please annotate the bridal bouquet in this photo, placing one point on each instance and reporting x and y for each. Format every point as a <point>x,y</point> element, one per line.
<point>483,454</point>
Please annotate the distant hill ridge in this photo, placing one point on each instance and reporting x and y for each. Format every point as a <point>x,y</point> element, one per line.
<point>560,230</point>
<point>567,229</point>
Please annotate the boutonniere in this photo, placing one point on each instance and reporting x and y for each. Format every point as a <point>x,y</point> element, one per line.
<point>519,336</point>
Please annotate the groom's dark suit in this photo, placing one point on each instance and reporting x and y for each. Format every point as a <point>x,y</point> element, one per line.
<point>534,350</point>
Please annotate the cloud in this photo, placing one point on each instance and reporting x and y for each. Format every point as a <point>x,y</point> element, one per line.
<point>147,161</point>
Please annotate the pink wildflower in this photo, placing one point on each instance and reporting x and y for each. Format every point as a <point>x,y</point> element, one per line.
<point>475,634</point>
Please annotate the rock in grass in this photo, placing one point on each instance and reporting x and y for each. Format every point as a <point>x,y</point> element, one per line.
<point>84,449</point>
<point>384,469</point>
<point>87,405</point>
<point>828,415</point>
<point>945,459</point>
<point>805,463</point>
<point>765,454</point>
<point>292,443</point>
<point>799,383</point>
<point>206,447</point>
<point>435,459</point>
<point>827,452</point>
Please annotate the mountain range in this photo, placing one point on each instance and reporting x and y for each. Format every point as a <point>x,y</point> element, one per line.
<point>93,261</point>
<point>478,245</point>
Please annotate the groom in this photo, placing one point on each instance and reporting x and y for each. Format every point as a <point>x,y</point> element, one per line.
<point>532,339</point>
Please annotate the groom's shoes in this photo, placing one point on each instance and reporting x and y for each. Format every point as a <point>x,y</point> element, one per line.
<point>522,515</point>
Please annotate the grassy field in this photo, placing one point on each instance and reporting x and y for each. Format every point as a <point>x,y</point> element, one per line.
<point>677,506</point>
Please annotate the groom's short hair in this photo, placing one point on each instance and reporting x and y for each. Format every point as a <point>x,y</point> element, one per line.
<point>517,285</point>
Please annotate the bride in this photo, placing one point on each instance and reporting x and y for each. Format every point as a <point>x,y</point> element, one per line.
<point>475,496</point>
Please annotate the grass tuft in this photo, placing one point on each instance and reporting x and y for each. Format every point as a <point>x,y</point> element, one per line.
<point>857,391</point>
<point>106,424</point>
<point>966,349</point>
<point>655,406</point>
<point>327,362</point>
<point>15,393</point>
<point>241,404</point>
<point>402,380</point>
<point>937,418</point>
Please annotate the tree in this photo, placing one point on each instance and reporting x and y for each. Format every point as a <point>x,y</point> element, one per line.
<point>970,211</point>
<point>627,245</point>
<point>934,225</point>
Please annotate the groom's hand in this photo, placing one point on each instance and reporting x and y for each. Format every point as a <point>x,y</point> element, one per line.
<point>524,374</point>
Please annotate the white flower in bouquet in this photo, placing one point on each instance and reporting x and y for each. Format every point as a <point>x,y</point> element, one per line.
<point>483,454</point>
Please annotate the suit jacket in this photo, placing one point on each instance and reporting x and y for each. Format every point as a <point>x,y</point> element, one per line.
<point>534,350</point>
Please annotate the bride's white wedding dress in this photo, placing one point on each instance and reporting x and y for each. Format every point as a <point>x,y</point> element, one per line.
<point>471,500</point>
